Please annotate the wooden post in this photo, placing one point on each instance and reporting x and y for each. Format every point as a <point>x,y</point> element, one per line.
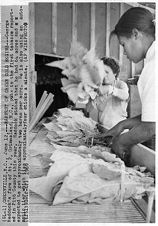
<point>74,22</point>
<point>151,196</point>
<point>120,47</point>
<point>32,73</point>
<point>107,51</point>
<point>54,27</point>
<point>92,35</point>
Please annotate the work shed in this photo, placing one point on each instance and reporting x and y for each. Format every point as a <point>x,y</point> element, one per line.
<point>53,27</point>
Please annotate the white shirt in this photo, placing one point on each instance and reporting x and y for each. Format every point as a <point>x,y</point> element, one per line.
<point>146,86</point>
<point>112,108</point>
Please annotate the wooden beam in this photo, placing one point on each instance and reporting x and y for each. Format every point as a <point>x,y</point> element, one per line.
<point>107,51</point>
<point>54,27</point>
<point>43,98</point>
<point>43,106</point>
<point>49,55</point>
<point>92,35</point>
<point>142,206</point>
<point>74,22</point>
<point>151,198</point>
<point>122,10</point>
<point>32,73</point>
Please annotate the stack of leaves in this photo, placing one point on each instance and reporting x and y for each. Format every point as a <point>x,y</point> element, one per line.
<point>84,73</point>
<point>88,178</point>
<point>71,127</point>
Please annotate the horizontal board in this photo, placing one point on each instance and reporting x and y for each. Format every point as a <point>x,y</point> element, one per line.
<point>109,212</point>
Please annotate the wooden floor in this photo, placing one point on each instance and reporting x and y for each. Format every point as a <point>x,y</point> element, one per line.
<point>40,211</point>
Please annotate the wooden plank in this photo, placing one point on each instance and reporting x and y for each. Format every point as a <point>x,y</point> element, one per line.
<point>42,110</point>
<point>74,22</point>
<point>121,51</point>
<point>107,51</point>
<point>109,212</point>
<point>114,17</point>
<point>151,197</point>
<point>33,77</point>
<point>84,23</point>
<point>49,55</point>
<point>43,98</point>
<point>64,28</point>
<point>143,156</point>
<point>32,85</point>
<point>92,34</point>
<point>100,29</point>
<point>54,27</point>
<point>43,27</point>
<point>142,204</point>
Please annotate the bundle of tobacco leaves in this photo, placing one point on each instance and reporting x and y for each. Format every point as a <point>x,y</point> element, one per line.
<point>88,178</point>
<point>71,127</point>
<point>84,73</point>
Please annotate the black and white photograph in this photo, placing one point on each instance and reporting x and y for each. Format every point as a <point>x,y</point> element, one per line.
<point>78,112</point>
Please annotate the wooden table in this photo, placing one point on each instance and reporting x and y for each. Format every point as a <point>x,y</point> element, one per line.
<point>130,211</point>
<point>111,212</point>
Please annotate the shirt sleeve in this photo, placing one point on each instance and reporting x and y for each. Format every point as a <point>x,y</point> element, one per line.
<point>121,91</point>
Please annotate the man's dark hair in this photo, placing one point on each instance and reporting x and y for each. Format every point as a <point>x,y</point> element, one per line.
<point>138,18</point>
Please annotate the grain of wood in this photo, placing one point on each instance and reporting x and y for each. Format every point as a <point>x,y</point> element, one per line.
<point>43,98</point>
<point>92,34</point>
<point>43,108</point>
<point>109,212</point>
<point>107,53</point>
<point>54,27</point>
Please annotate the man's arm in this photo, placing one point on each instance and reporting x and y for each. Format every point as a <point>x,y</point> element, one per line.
<point>142,132</point>
<point>121,126</point>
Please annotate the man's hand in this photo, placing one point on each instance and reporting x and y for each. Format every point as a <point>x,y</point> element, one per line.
<point>114,131</point>
<point>101,128</point>
<point>119,148</point>
<point>139,133</point>
<point>121,126</point>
